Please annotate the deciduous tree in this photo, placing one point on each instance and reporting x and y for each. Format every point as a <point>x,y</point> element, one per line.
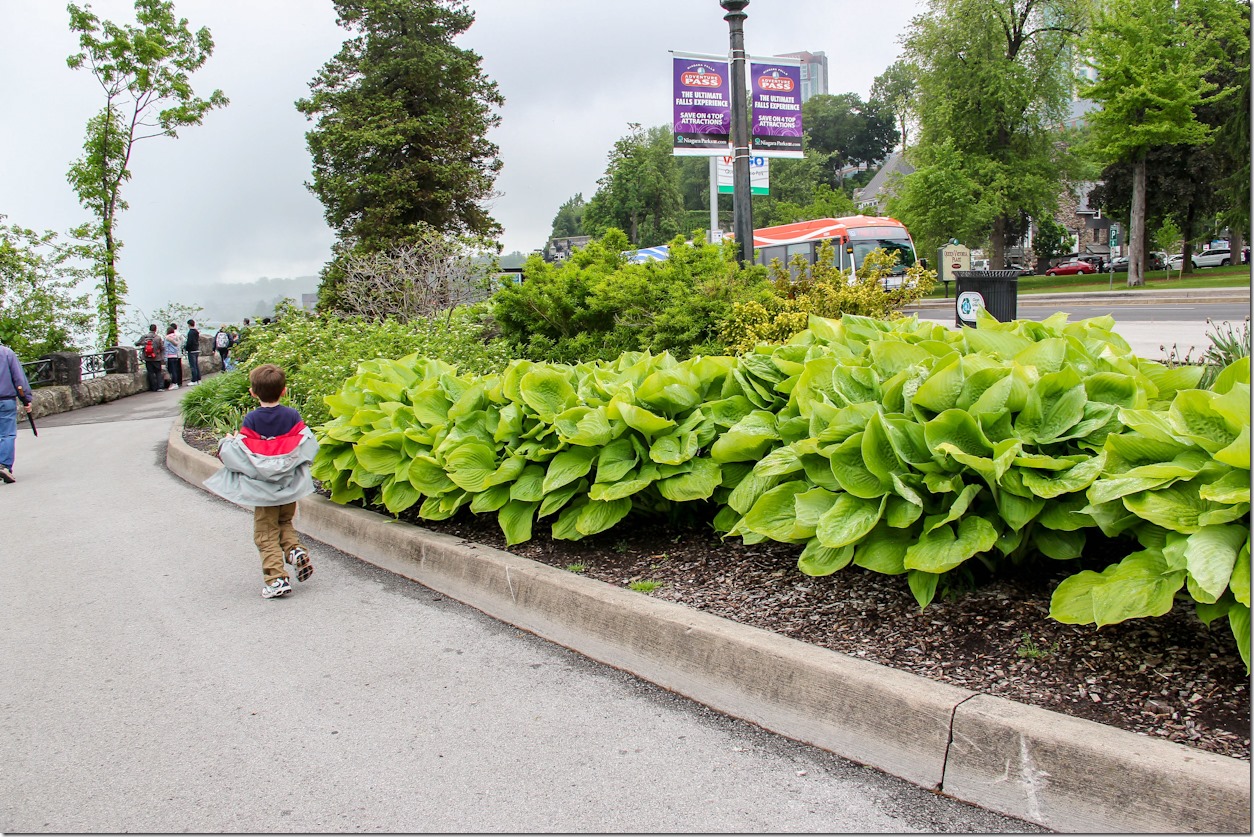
<point>144,72</point>
<point>41,307</point>
<point>639,192</point>
<point>895,89</point>
<point>994,79</point>
<point>1155,60</point>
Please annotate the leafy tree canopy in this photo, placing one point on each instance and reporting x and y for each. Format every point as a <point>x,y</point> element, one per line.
<point>569,218</point>
<point>41,309</point>
<point>895,89</point>
<point>844,130</point>
<point>400,118</point>
<point>144,72</point>
<point>994,79</point>
<point>639,192</point>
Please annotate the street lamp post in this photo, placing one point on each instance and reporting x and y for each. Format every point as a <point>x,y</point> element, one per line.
<point>742,206</point>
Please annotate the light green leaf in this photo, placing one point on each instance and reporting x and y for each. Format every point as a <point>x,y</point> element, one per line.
<point>585,426</point>
<point>849,520</point>
<point>884,551</point>
<point>941,549</point>
<point>1140,585</point>
<point>1177,507</point>
<point>923,586</point>
<point>748,440</point>
<point>547,391</point>
<point>568,466</point>
<point>529,487</point>
<point>1059,545</point>
<point>515,519</point>
<point>697,484</point>
<point>638,418</point>
<point>471,465</point>
<point>1232,487</point>
<point>1239,621</point>
<point>674,448</point>
<point>1054,405</point>
<point>941,390</point>
<point>616,460</point>
<point>597,516</point>
<point>1050,484</point>
<point>1211,554</point>
<point>775,514</point>
<point>555,500</point>
<point>399,495</point>
<point>490,500</point>
<point>1239,584</point>
<point>819,560</point>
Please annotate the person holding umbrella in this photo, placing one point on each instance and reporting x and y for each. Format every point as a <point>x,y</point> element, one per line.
<point>13,388</point>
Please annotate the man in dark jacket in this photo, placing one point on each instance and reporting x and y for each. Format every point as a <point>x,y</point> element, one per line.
<point>193,351</point>
<point>152,350</point>
<point>14,388</point>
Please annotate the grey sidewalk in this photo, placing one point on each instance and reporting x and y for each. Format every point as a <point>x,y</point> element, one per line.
<point>149,688</point>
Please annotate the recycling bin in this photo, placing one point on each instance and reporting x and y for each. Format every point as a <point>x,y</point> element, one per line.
<point>996,291</point>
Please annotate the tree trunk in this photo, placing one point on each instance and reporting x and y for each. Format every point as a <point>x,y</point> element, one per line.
<point>1136,236</point>
<point>1190,222</point>
<point>997,245</point>
<point>1236,244</point>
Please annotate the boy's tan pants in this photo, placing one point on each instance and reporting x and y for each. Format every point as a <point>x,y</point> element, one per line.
<point>274,535</point>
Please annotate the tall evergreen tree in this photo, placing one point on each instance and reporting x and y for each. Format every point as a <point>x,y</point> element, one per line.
<point>401,116</point>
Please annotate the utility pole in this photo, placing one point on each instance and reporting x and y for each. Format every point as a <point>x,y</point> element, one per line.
<point>742,206</point>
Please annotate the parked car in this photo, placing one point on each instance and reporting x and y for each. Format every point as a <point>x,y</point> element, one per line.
<point>1119,264</point>
<point>1177,260</point>
<point>1071,268</point>
<point>1217,257</point>
<point>1024,270</point>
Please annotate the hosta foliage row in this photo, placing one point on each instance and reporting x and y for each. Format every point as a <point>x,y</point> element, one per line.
<point>898,447</point>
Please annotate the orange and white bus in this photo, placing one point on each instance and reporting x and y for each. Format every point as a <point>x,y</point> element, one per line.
<point>851,237</point>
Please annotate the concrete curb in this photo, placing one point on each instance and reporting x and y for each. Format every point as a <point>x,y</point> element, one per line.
<point>1064,773</point>
<point>1123,297</point>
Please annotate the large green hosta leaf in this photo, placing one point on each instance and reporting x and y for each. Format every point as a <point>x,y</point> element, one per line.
<point>1211,553</point>
<point>568,466</point>
<point>1142,584</point>
<point>942,549</point>
<point>671,391</point>
<point>697,484</point>
<point>547,391</point>
<point>596,516</point>
<point>848,520</point>
<point>748,440</point>
<point>471,465</point>
<point>515,518</point>
<point>1178,507</point>
<point>819,560</point>
<point>1206,419</point>
<point>1054,405</point>
<point>775,514</point>
<point>584,426</point>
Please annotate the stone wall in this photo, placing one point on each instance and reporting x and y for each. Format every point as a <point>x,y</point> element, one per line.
<point>131,378</point>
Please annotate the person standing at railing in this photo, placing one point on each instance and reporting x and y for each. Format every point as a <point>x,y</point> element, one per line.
<point>153,358</point>
<point>14,388</point>
<point>174,355</point>
<point>193,351</point>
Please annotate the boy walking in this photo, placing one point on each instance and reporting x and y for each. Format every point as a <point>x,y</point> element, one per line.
<point>266,465</point>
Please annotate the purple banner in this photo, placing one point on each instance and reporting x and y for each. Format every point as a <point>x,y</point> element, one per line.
<point>702,125</point>
<point>776,130</point>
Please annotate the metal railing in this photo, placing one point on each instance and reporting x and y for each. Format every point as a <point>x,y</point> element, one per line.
<point>43,372</point>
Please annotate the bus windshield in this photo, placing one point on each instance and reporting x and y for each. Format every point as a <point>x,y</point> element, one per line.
<point>899,246</point>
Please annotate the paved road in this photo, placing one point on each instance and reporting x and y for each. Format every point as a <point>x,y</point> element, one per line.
<point>149,688</point>
<point>1233,312</point>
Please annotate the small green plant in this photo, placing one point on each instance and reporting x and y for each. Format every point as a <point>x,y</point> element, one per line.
<point>1228,344</point>
<point>576,568</point>
<point>1029,650</point>
<point>621,547</point>
<point>644,586</point>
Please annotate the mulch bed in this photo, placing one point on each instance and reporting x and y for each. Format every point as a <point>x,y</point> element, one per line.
<point>1171,677</point>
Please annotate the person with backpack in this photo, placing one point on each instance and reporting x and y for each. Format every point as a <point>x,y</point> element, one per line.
<point>193,351</point>
<point>222,343</point>
<point>174,355</point>
<point>152,350</point>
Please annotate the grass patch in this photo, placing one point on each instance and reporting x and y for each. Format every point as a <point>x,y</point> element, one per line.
<point>1233,276</point>
<point>576,568</point>
<point>644,586</point>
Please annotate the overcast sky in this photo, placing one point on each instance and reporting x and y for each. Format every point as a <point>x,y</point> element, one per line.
<point>226,201</point>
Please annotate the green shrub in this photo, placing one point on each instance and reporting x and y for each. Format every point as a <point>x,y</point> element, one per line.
<point>319,353</point>
<point>596,305</point>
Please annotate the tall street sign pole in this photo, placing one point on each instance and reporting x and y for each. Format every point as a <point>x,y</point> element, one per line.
<point>742,206</point>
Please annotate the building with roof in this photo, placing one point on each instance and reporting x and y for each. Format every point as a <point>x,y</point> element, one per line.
<point>881,187</point>
<point>813,72</point>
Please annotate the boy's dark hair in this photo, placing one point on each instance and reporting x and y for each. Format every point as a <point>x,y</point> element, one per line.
<point>152,326</point>
<point>191,323</point>
<point>267,382</point>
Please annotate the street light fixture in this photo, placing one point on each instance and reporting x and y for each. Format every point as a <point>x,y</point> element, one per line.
<point>742,206</point>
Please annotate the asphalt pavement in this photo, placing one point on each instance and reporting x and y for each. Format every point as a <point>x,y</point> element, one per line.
<point>149,688</point>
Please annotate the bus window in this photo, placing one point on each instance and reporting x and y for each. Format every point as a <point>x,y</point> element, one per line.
<point>768,253</point>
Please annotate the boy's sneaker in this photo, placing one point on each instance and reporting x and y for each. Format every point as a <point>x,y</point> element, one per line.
<point>174,386</point>
<point>276,588</point>
<point>299,558</point>
<point>6,474</point>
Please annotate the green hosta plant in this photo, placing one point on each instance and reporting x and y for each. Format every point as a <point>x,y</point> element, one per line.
<point>901,448</point>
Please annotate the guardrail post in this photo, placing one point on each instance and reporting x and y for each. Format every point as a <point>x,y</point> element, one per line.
<point>127,359</point>
<point>67,368</point>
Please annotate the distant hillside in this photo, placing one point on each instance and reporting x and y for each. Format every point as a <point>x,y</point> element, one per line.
<point>233,301</point>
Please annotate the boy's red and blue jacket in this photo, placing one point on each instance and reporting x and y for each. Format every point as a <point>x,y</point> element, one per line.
<point>267,462</point>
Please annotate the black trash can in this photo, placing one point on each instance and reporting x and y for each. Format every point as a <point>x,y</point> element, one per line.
<point>996,291</point>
